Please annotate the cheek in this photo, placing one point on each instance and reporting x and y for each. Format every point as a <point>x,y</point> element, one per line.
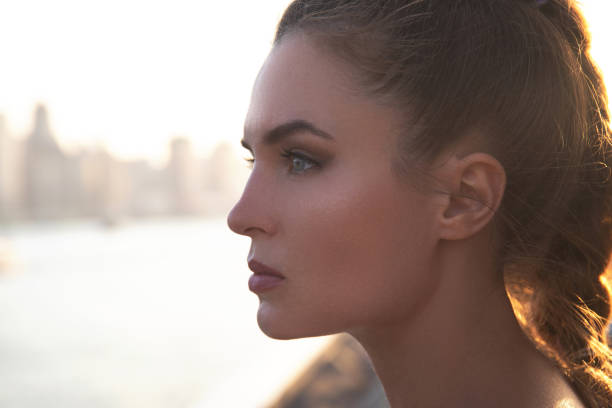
<point>359,248</point>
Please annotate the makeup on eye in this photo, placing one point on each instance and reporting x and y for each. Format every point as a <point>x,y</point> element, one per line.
<point>297,161</point>
<point>303,146</point>
<point>293,132</point>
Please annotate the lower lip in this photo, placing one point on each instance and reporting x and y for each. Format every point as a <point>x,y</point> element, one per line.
<point>263,283</point>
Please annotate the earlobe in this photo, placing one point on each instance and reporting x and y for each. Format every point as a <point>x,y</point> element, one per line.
<point>476,187</point>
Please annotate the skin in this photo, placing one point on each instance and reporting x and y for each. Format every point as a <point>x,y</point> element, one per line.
<point>410,273</point>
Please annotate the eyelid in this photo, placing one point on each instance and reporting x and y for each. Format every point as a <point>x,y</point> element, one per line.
<point>298,153</point>
<point>247,146</point>
<point>290,154</point>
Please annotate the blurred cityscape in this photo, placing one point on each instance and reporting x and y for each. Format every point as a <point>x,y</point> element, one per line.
<point>40,181</point>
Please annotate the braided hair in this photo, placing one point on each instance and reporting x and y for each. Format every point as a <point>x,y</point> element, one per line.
<point>521,71</point>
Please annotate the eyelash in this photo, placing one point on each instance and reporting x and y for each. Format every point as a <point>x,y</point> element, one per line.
<point>289,156</point>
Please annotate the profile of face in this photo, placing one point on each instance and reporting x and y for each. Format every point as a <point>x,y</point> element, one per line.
<point>324,207</point>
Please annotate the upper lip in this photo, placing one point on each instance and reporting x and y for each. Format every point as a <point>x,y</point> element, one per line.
<point>260,269</point>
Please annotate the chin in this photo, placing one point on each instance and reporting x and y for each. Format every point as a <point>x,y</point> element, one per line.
<point>277,334</point>
<point>279,327</point>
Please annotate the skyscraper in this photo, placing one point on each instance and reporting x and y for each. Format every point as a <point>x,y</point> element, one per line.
<point>11,176</point>
<point>44,170</point>
<point>184,177</point>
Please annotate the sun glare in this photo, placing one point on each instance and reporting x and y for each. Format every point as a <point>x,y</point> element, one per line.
<point>598,14</point>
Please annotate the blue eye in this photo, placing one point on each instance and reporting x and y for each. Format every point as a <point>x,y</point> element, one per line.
<point>298,163</point>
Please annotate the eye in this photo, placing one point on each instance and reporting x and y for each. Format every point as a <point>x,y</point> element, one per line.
<point>298,162</point>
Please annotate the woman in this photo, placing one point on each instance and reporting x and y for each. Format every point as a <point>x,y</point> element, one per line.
<point>432,178</point>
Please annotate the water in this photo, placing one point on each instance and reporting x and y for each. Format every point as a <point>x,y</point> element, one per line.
<point>150,314</point>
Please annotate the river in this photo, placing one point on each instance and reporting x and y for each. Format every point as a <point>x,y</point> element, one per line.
<point>147,314</point>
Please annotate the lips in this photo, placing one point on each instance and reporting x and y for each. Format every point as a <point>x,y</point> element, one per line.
<point>264,278</point>
<point>260,269</point>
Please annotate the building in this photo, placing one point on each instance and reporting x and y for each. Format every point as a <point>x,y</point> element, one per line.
<point>184,178</point>
<point>45,168</point>
<point>225,179</point>
<point>11,180</point>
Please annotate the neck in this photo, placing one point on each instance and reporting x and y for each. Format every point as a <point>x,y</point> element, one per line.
<point>464,348</point>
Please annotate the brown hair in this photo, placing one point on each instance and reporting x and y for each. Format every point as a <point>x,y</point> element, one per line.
<point>521,71</point>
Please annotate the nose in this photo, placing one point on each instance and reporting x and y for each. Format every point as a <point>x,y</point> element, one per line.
<point>252,214</point>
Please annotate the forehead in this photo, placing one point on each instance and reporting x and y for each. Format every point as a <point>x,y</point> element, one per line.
<point>299,81</point>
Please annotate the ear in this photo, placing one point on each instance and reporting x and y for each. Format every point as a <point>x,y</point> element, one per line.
<point>476,184</point>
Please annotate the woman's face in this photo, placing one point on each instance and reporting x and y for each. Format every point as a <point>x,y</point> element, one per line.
<point>323,206</point>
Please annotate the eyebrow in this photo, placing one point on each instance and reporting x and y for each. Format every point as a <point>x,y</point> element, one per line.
<point>287,129</point>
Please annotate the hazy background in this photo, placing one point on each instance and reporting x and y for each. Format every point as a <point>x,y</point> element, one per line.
<point>120,284</point>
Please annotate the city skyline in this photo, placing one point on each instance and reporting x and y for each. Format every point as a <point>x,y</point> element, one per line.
<point>41,181</point>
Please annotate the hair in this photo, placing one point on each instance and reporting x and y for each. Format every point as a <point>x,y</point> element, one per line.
<point>521,72</point>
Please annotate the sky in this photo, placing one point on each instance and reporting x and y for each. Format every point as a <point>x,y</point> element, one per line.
<point>129,75</point>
